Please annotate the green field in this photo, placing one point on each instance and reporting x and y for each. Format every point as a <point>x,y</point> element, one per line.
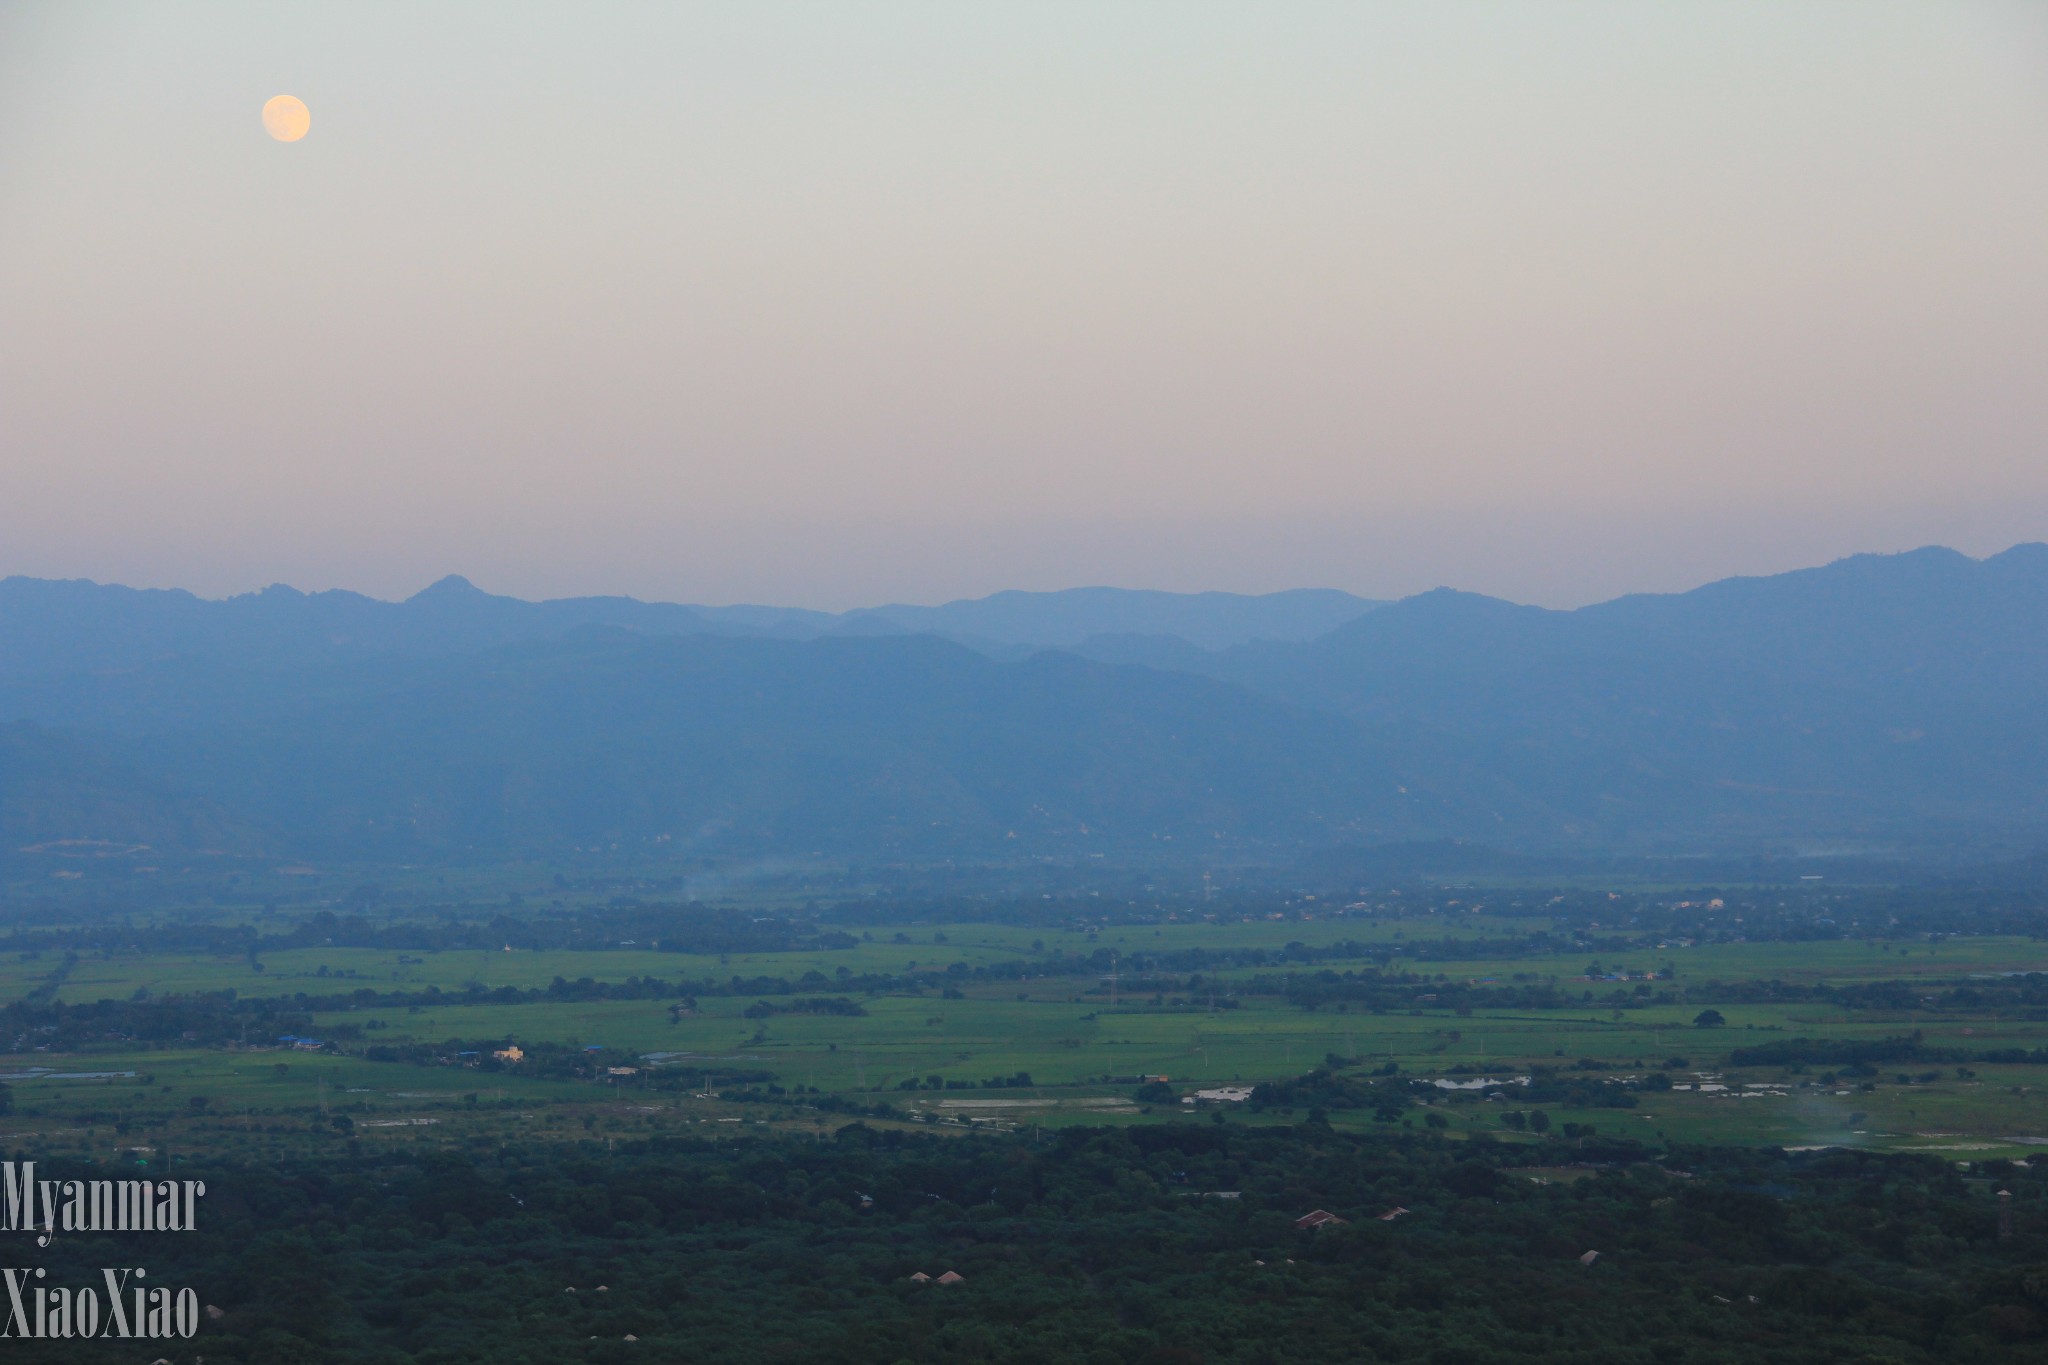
<point>1072,1029</point>
<point>927,946</point>
<point>116,975</point>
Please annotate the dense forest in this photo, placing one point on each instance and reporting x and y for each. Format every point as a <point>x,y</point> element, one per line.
<point>1168,1243</point>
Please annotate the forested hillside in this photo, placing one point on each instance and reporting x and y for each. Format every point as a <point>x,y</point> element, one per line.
<point>1165,1244</point>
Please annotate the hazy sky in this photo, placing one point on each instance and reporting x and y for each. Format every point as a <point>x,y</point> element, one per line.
<point>829,304</point>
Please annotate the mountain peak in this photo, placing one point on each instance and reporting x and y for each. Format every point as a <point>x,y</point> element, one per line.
<point>452,587</point>
<point>2028,554</point>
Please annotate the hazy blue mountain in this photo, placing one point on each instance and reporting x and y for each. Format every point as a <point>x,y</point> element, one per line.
<point>1208,620</point>
<point>699,744</point>
<point>103,657</point>
<point>51,628</point>
<point>66,798</point>
<point>1896,696</point>
<point>1880,702</point>
<point>1169,652</point>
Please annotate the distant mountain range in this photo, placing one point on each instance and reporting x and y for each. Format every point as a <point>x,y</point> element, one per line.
<point>55,627</point>
<point>1882,702</point>
<point>1899,697</point>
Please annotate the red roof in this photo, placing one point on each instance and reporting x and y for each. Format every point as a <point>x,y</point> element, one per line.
<point>1321,1218</point>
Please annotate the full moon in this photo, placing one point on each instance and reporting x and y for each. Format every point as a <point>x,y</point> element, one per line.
<point>286,118</point>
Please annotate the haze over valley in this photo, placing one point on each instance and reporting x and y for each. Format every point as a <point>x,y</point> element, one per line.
<point>1882,704</point>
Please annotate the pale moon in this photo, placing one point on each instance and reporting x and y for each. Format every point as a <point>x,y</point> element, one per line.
<point>286,118</point>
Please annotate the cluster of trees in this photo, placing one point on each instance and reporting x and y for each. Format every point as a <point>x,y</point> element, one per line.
<point>1325,1089</point>
<point>1851,1052</point>
<point>1391,1096</point>
<point>225,1017</point>
<point>1549,1086</point>
<point>671,928</point>
<point>1381,991</point>
<point>1908,910</point>
<point>1095,1245</point>
<point>1019,1081</point>
<point>211,1019</point>
<point>814,1004</point>
<point>1568,920</point>
<point>1901,908</point>
<point>559,1061</point>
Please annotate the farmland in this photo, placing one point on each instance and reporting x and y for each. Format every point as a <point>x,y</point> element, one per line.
<point>435,1131</point>
<point>1049,1016</point>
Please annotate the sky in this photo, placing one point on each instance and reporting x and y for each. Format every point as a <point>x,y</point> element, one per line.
<point>833,304</point>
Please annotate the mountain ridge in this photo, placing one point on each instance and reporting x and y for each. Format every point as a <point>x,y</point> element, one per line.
<point>1880,701</point>
<point>82,624</point>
